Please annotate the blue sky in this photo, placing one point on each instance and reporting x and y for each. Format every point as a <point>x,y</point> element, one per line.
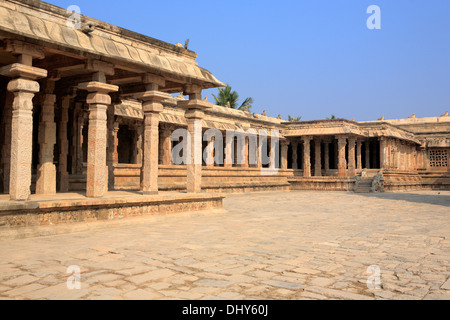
<point>309,58</point>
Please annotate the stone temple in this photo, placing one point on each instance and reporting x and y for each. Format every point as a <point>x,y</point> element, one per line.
<point>88,115</point>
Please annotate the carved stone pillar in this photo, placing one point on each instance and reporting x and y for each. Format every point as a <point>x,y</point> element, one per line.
<point>342,162</point>
<point>6,148</point>
<point>46,173</point>
<point>23,87</point>
<point>167,146</point>
<point>327,155</point>
<point>367,144</point>
<point>63,174</point>
<point>115,153</point>
<point>306,156</point>
<point>246,152</point>
<point>98,100</point>
<point>229,142</point>
<point>294,145</point>
<point>284,154</point>
<point>194,115</point>
<point>152,108</point>
<point>384,153</point>
<point>351,157</point>
<point>210,153</point>
<point>259,152</point>
<point>110,146</point>
<point>318,157</point>
<point>358,155</point>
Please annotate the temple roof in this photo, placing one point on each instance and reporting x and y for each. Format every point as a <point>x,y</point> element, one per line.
<point>48,23</point>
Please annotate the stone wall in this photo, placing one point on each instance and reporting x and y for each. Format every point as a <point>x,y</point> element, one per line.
<point>322,183</point>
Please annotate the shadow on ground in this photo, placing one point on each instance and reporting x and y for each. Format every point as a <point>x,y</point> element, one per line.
<point>435,198</point>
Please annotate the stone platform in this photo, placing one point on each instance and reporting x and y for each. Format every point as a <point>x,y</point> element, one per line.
<point>21,219</point>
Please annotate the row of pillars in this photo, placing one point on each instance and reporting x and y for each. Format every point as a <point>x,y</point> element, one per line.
<point>394,155</point>
<point>24,86</point>
<point>353,163</point>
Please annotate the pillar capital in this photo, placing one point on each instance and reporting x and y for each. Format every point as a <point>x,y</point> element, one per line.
<point>152,95</point>
<point>194,114</point>
<point>193,91</point>
<point>23,85</point>
<point>24,48</point>
<point>194,104</point>
<point>98,98</point>
<point>149,78</point>
<point>100,87</point>
<point>100,66</point>
<point>18,70</point>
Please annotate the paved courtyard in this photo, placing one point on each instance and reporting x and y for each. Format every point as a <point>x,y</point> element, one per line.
<point>297,245</point>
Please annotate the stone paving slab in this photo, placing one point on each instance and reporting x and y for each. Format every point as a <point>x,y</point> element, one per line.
<point>278,245</point>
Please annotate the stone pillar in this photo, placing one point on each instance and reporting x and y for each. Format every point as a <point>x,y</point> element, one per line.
<point>294,145</point>
<point>273,154</point>
<point>24,87</point>
<point>384,153</point>
<point>63,174</point>
<point>327,155</point>
<point>342,162</point>
<point>284,154</point>
<point>74,138</point>
<point>98,100</point>
<point>259,152</point>
<point>46,172</point>
<point>367,143</point>
<point>210,153</point>
<point>351,157</point>
<point>167,146</point>
<point>194,168</point>
<point>115,152</point>
<point>246,152</point>
<point>306,156</point>
<point>358,155</point>
<point>408,156</point>
<point>194,115</point>
<point>6,148</point>
<point>152,108</point>
<point>110,146</point>
<point>229,143</point>
<point>318,158</point>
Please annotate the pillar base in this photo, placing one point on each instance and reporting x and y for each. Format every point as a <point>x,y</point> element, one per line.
<point>46,179</point>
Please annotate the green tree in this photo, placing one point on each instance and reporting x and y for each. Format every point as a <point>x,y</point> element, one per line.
<point>228,98</point>
<point>296,119</point>
<point>333,117</point>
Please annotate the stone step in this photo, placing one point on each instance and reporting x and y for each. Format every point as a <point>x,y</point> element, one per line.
<point>363,190</point>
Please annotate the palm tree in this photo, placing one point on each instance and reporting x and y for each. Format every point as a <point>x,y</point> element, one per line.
<point>228,98</point>
<point>296,119</point>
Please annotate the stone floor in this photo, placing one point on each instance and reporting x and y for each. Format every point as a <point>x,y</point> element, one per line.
<point>281,245</point>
